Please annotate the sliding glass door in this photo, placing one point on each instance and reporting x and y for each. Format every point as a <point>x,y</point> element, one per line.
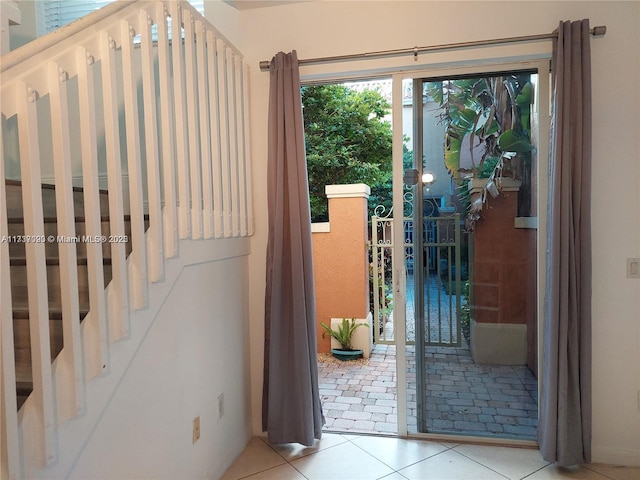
<point>468,279</point>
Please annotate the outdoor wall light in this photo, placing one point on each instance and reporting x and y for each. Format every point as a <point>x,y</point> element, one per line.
<point>428,178</point>
<point>411,177</point>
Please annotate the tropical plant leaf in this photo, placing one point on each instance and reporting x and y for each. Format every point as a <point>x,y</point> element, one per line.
<point>523,101</point>
<point>435,91</point>
<point>452,155</point>
<point>344,333</point>
<point>524,97</point>
<point>514,141</point>
<point>492,114</point>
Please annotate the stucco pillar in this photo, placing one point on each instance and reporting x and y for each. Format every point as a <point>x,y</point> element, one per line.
<point>340,259</point>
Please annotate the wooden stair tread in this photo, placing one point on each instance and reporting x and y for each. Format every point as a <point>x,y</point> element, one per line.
<point>49,186</point>
<point>21,311</point>
<point>24,383</point>
<point>23,389</point>
<point>103,219</point>
<point>24,375</point>
<point>16,261</point>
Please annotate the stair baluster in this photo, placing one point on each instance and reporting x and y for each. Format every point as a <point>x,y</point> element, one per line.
<point>9,446</point>
<point>67,254</point>
<point>180,110</point>
<point>42,395</point>
<point>154,235</point>
<point>168,137</point>
<point>118,302</point>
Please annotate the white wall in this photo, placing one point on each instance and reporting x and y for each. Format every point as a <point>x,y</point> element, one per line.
<point>195,351</point>
<point>28,28</point>
<point>330,28</point>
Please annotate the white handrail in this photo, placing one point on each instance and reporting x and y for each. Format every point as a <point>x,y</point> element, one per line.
<point>23,55</point>
<point>95,21</point>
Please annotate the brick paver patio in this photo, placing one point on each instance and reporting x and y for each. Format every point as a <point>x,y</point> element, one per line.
<point>360,396</point>
<point>461,397</point>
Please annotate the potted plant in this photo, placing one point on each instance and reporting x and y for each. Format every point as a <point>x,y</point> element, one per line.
<point>344,334</point>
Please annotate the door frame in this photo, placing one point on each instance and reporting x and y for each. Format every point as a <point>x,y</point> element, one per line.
<point>541,111</point>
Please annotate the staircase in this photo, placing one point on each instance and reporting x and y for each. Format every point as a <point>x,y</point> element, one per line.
<point>106,192</point>
<point>18,271</point>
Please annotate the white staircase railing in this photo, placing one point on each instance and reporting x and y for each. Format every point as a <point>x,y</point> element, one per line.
<point>163,126</point>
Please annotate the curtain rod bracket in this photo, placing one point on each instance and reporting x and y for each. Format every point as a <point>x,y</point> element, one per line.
<point>415,53</point>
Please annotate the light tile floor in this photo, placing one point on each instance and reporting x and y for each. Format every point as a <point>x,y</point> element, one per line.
<point>354,457</point>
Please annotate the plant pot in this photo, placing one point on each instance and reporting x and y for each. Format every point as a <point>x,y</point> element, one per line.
<point>346,355</point>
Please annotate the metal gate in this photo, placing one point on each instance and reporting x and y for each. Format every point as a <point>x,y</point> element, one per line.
<point>381,269</point>
<point>437,282</point>
<point>434,280</point>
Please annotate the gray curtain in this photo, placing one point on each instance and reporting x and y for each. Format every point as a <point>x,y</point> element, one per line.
<point>564,431</point>
<point>291,409</point>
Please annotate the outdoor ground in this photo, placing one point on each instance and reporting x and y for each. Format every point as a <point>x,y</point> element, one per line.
<point>461,397</point>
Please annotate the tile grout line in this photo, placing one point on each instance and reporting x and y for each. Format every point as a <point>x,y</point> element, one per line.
<point>534,472</point>
<point>286,461</point>
<point>486,466</point>
<point>398,471</point>
<point>586,465</point>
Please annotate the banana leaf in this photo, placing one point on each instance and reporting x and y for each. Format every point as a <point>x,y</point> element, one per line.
<point>514,141</point>
<point>452,155</point>
<point>523,100</point>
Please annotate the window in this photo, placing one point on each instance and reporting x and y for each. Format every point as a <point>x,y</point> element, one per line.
<point>58,13</point>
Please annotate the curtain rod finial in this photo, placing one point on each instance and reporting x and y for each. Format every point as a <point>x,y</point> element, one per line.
<point>264,65</point>
<point>599,31</point>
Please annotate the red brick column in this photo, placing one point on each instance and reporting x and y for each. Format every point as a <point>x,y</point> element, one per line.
<point>504,261</point>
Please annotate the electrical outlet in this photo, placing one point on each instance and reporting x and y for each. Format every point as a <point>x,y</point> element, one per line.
<point>633,267</point>
<point>196,429</point>
<point>221,405</point>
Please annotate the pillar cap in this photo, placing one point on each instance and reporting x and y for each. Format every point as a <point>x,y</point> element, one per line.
<point>357,190</point>
<point>504,184</point>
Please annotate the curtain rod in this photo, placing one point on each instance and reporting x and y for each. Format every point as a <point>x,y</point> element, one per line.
<point>598,31</point>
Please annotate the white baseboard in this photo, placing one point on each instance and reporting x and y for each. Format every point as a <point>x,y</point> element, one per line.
<point>615,456</point>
